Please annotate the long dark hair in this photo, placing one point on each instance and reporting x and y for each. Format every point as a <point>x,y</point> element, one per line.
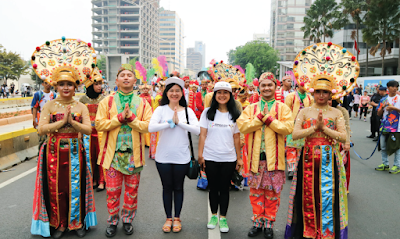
<point>91,93</point>
<point>231,105</point>
<point>165,100</point>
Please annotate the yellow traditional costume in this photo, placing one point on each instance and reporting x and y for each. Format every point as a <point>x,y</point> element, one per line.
<point>296,101</point>
<point>122,150</point>
<point>318,199</point>
<point>266,154</point>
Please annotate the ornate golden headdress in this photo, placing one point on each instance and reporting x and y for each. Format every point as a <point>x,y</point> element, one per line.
<point>219,71</point>
<point>327,66</point>
<point>95,77</point>
<point>64,60</point>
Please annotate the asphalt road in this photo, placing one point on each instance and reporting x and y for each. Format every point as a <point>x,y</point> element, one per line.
<point>373,203</point>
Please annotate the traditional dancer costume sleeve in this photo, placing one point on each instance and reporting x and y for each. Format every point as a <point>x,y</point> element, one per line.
<point>266,155</point>
<point>63,194</point>
<point>318,199</point>
<point>296,101</point>
<point>122,151</point>
<point>91,142</point>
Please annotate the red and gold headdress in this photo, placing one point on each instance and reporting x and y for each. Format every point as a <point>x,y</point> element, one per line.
<point>267,76</point>
<point>95,77</point>
<point>64,60</point>
<point>327,66</point>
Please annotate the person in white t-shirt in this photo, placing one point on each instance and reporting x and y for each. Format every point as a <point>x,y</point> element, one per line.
<point>172,153</point>
<point>219,150</point>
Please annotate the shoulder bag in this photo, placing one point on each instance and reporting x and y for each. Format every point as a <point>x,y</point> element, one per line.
<point>194,167</point>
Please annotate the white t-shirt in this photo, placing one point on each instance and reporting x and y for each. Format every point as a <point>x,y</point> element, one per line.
<point>45,99</point>
<point>187,95</point>
<point>357,99</point>
<point>219,145</point>
<point>6,89</point>
<point>173,144</point>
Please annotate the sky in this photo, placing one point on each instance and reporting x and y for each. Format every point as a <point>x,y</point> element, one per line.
<point>221,24</point>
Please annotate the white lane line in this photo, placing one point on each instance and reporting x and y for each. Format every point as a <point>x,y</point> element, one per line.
<point>214,233</point>
<point>2,185</point>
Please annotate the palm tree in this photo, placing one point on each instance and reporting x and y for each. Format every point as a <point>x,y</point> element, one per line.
<point>382,22</point>
<point>354,9</point>
<point>321,19</point>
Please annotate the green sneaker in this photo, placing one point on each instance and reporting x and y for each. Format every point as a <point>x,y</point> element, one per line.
<point>382,167</point>
<point>223,225</point>
<point>394,170</point>
<point>213,222</point>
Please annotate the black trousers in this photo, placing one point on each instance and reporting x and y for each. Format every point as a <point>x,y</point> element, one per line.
<point>365,110</point>
<point>172,178</point>
<point>375,122</point>
<point>219,177</point>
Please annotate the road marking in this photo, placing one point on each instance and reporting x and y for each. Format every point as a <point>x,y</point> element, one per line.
<point>2,185</point>
<point>214,233</point>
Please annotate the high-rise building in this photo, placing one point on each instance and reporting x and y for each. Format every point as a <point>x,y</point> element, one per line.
<point>194,60</point>
<point>124,30</point>
<point>171,39</point>
<point>200,47</point>
<point>262,37</point>
<point>286,20</point>
<point>343,38</point>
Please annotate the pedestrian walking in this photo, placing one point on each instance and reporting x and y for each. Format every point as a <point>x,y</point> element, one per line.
<point>356,102</point>
<point>375,119</point>
<point>267,123</point>
<point>63,197</point>
<point>123,117</point>
<point>219,151</point>
<point>364,105</point>
<point>350,103</point>
<point>173,120</point>
<point>389,107</point>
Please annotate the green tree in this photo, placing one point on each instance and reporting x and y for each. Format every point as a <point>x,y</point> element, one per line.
<point>11,65</point>
<point>382,22</point>
<point>259,53</point>
<point>35,78</point>
<point>102,64</point>
<point>353,9</point>
<point>321,19</point>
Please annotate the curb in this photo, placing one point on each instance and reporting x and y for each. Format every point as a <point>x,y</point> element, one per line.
<point>17,158</point>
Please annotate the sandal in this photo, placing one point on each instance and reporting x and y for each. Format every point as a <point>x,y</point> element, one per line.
<point>167,225</point>
<point>177,226</point>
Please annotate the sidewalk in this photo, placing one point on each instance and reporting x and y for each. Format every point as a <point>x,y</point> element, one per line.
<point>17,126</point>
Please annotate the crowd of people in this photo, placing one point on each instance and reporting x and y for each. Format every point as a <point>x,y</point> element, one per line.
<point>254,128</point>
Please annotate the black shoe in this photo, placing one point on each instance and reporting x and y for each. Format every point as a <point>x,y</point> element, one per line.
<point>268,233</point>
<point>290,175</point>
<point>111,230</point>
<point>81,232</point>
<point>371,136</point>
<point>128,228</point>
<point>58,234</point>
<point>254,231</point>
<point>375,139</point>
<point>100,189</point>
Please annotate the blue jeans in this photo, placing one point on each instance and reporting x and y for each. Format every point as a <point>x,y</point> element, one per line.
<point>385,159</point>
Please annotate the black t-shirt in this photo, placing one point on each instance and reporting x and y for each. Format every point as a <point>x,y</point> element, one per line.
<point>376,98</point>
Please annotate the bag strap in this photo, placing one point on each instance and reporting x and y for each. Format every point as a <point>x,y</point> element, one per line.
<point>189,134</point>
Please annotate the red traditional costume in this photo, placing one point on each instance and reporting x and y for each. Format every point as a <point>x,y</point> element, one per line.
<point>91,142</point>
<point>63,196</point>
<point>318,198</point>
<point>195,98</point>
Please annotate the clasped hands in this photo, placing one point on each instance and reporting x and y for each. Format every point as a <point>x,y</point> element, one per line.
<point>68,116</point>
<point>319,125</point>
